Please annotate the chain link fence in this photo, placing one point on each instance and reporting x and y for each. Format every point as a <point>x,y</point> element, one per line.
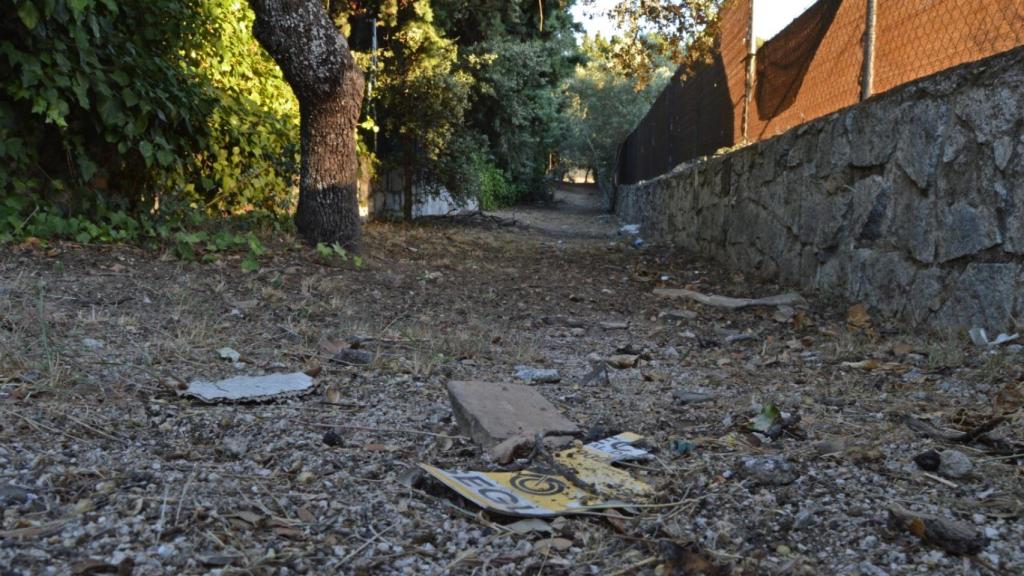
<point>835,54</point>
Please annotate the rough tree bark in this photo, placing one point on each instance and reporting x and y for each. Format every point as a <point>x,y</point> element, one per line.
<point>316,62</point>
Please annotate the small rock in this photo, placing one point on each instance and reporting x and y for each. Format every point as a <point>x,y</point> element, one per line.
<point>11,495</point>
<point>546,545</point>
<point>622,361</point>
<point>353,356</point>
<point>928,461</point>
<point>236,446</point>
<point>830,446</point>
<point>684,397</point>
<point>537,375</point>
<point>305,477</point>
<point>804,517</point>
<point>769,470</point>
<point>743,337</point>
<point>598,376</point>
<point>869,569</point>
<point>229,354</point>
<point>614,325</point>
<point>954,464</point>
<point>679,314</point>
<point>92,343</point>
<point>670,353</point>
<point>333,438</point>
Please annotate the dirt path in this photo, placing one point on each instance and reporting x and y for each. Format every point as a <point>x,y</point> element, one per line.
<point>101,461</point>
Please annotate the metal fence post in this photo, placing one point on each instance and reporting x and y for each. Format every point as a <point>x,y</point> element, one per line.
<point>748,88</point>
<point>867,77</point>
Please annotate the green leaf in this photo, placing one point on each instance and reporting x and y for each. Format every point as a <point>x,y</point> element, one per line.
<point>78,6</point>
<point>147,151</point>
<point>769,415</point>
<point>28,14</point>
<point>164,157</point>
<point>250,263</point>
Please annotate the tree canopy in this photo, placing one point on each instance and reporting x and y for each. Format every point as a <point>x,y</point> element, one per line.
<point>171,106</point>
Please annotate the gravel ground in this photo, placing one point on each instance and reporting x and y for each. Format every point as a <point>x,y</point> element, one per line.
<point>104,468</point>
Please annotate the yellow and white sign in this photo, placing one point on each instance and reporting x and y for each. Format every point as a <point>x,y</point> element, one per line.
<point>537,493</point>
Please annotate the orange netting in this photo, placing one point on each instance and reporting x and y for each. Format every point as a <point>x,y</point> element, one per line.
<point>810,69</point>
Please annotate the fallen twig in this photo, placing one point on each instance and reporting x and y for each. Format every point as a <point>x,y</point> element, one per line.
<point>950,535</point>
<point>36,424</point>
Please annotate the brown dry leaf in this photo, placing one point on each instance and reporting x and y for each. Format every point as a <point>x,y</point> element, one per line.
<point>329,347</point>
<point>799,320</point>
<point>689,559</point>
<point>246,516</point>
<point>902,349</point>
<point>546,545</point>
<point>289,532</point>
<point>857,317</point>
<point>306,516</point>
<point>916,527</point>
<point>863,365</point>
<point>622,361</point>
<point>34,531</point>
<point>618,521</point>
<point>1009,399</point>
<point>332,395</point>
<point>92,566</point>
<point>375,448</point>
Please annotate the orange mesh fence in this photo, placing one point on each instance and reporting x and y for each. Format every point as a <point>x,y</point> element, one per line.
<point>916,38</point>
<point>810,69</point>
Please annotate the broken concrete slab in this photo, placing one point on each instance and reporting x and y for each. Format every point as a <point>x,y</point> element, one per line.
<point>250,388</point>
<point>490,413</point>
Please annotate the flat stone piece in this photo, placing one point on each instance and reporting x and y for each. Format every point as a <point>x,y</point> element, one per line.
<point>250,388</point>
<point>490,413</point>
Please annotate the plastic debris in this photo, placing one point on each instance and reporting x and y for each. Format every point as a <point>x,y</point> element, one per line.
<point>595,483</point>
<point>980,338</point>
<point>684,397</point>
<point>229,354</point>
<point>679,447</point>
<point>250,388</point>
<point>537,375</point>
<point>92,343</point>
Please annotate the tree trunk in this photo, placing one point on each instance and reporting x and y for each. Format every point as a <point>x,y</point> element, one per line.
<point>315,61</point>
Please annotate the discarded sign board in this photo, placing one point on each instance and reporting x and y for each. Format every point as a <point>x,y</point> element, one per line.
<point>592,464</point>
<point>250,388</point>
<point>545,493</point>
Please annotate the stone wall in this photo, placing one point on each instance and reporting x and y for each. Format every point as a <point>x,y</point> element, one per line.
<point>911,202</point>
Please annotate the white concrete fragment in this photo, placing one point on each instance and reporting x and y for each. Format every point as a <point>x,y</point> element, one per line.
<point>250,388</point>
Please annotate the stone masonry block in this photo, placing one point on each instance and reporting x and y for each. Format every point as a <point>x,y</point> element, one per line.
<point>491,412</point>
